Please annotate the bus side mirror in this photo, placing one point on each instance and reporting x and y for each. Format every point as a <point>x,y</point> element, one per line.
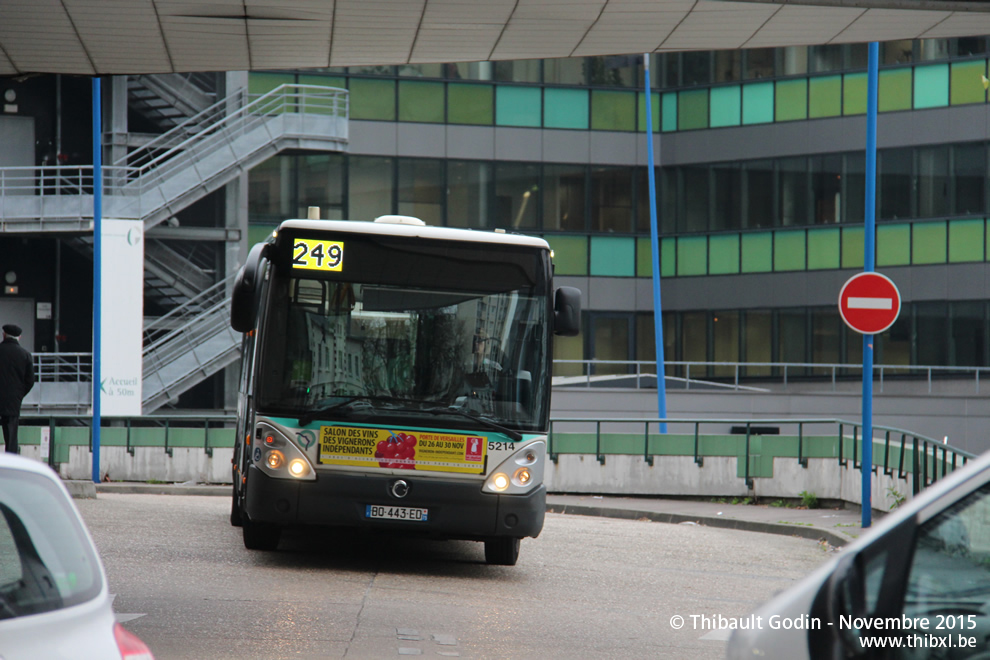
<point>567,311</point>
<point>244,299</point>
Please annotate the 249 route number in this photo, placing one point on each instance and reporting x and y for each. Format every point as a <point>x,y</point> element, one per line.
<point>312,254</point>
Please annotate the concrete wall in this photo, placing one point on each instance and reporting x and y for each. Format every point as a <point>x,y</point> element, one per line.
<point>679,476</point>
<point>964,419</point>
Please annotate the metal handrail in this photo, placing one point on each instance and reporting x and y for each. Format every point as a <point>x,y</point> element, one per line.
<point>784,370</point>
<point>281,100</point>
<point>164,157</point>
<point>926,468</point>
<point>160,329</point>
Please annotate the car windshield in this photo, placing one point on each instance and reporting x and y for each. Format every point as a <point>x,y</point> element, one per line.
<point>46,558</point>
<point>343,349</point>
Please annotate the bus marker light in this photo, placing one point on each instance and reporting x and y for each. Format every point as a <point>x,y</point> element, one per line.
<point>275,459</point>
<point>522,476</point>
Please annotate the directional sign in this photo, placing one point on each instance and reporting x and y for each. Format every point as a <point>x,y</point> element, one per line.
<point>869,303</point>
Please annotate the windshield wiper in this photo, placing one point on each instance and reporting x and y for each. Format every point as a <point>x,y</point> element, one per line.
<point>484,421</point>
<point>309,417</point>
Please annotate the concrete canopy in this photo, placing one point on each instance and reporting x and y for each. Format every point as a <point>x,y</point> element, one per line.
<point>154,36</point>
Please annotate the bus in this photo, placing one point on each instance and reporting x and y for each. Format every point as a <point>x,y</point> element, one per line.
<point>396,377</point>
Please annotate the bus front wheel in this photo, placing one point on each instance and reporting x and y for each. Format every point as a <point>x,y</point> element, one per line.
<point>260,536</point>
<point>502,551</point>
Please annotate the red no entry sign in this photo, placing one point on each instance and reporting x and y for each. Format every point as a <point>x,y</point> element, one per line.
<point>869,303</point>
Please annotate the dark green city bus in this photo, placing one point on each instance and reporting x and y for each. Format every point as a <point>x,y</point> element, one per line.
<point>396,376</point>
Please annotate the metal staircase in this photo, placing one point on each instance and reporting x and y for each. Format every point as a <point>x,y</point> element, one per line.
<point>168,99</point>
<point>176,169</point>
<point>187,345</point>
<point>152,183</point>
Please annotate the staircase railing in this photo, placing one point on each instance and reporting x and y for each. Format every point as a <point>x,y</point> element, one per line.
<point>160,330</point>
<point>219,125</point>
<point>169,173</point>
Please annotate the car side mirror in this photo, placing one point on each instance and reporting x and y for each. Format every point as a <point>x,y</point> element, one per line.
<point>846,597</point>
<point>244,298</point>
<point>567,311</point>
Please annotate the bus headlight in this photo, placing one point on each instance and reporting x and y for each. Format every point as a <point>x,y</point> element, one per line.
<point>525,467</point>
<point>298,467</point>
<point>279,456</point>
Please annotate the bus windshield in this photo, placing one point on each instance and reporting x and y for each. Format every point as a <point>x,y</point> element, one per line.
<point>410,353</point>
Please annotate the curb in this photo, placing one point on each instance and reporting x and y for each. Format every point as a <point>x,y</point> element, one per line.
<point>80,489</point>
<point>136,488</point>
<point>812,533</point>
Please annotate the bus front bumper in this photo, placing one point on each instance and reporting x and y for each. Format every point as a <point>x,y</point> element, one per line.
<point>457,509</point>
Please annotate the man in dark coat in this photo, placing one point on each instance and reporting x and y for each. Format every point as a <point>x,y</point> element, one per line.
<point>16,380</point>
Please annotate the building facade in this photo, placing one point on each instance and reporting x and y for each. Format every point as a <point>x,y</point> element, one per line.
<point>760,188</point>
<point>760,192</point>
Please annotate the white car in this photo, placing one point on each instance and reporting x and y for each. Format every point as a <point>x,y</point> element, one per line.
<point>54,603</point>
<point>915,586</point>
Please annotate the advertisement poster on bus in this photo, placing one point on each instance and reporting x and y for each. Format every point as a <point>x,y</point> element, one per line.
<point>398,449</point>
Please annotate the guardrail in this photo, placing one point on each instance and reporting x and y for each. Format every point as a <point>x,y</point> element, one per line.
<point>732,374</point>
<point>916,455</point>
<point>130,426</point>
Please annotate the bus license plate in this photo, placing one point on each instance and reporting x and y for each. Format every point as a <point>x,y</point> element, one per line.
<point>396,513</point>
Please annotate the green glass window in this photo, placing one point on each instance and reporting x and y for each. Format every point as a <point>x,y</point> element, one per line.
<point>421,101</point>
<point>852,247</point>
<point>644,258</point>
<point>565,108</point>
<point>930,243</point>
<point>789,250</point>
<point>322,81</point>
<point>792,100</point>
<point>692,255</point>
<point>613,256</point>
<point>894,90</point>
<point>931,86</point>
<point>823,248</point>
<point>692,109</point>
<point>517,106</point>
<point>669,104</point>
<point>825,96</point>
<point>570,254</point>
<point>893,245</point>
<point>757,252</point>
<point>757,103</point>
<point>668,257</point>
<point>966,82</point>
<point>613,110</point>
<point>854,94</point>
<point>966,240</point>
<point>641,111</point>
<point>372,99</point>
<point>723,254</point>
<point>262,83</point>
<point>470,104</point>
<point>726,106</point>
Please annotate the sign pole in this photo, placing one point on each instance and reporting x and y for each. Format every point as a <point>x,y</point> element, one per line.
<point>655,248</point>
<point>97,268</point>
<point>866,462</point>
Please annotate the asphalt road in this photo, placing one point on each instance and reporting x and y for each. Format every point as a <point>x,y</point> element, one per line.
<point>586,588</point>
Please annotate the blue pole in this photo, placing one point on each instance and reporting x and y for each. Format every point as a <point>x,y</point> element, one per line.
<point>655,248</point>
<point>868,266</point>
<point>97,268</point>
